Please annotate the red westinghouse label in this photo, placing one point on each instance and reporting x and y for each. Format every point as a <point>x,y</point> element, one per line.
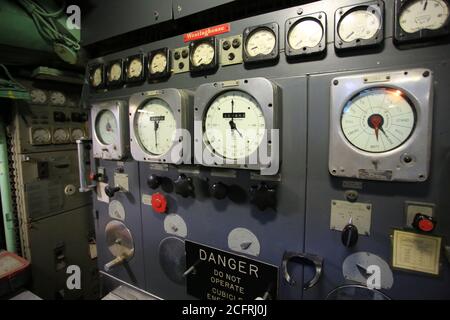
<point>207,32</point>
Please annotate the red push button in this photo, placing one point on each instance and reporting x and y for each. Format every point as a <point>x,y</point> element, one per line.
<point>159,203</point>
<point>426,225</point>
<point>423,223</point>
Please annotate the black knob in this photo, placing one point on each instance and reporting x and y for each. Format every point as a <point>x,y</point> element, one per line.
<point>153,181</point>
<point>176,55</point>
<point>218,190</point>
<point>263,196</point>
<point>349,235</point>
<point>423,222</point>
<point>236,43</point>
<point>184,53</point>
<point>183,185</point>
<point>226,45</point>
<point>110,191</point>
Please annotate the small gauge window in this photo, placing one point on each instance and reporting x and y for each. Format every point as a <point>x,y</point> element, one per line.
<point>60,135</point>
<point>115,72</point>
<point>57,98</point>
<point>135,68</point>
<point>261,41</point>
<point>155,126</point>
<point>106,127</point>
<point>362,23</point>
<point>424,14</point>
<point>234,125</point>
<point>38,96</point>
<point>97,77</point>
<point>203,54</point>
<point>41,136</point>
<point>307,33</point>
<point>158,63</point>
<point>77,134</point>
<point>378,119</point>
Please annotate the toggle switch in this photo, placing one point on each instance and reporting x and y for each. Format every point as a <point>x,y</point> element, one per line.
<point>111,191</point>
<point>218,190</point>
<point>183,185</point>
<point>263,196</point>
<point>349,235</point>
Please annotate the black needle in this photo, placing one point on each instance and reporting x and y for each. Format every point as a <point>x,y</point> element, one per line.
<point>425,5</point>
<point>156,127</point>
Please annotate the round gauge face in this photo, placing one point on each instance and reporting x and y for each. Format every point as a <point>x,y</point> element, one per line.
<point>155,126</point>
<point>158,63</point>
<point>41,136</point>
<point>260,42</point>
<point>106,127</point>
<point>77,134</point>
<point>203,54</point>
<point>57,98</point>
<point>234,125</point>
<point>358,24</point>
<point>424,14</point>
<point>38,96</point>
<point>306,33</point>
<point>97,77</point>
<point>134,68</point>
<point>60,135</point>
<point>115,72</point>
<point>378,119</point>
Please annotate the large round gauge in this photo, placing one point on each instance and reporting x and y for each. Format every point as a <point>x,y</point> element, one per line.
<point>359,24</point>
<point>234,125</point>
<point>115,72</point>
<point>378,119</point>
<point>158,63</point>
<point>60,135</point>
<point>155,126</point>
<point>106,127</point>
<point>57,98</point>
<point>203,54</point>
<point>244,241</point>
<point>38,96</point>
<point>76,134</point>
<point>424,14</point>
<point>260,42</point>
<point>307,33</point>
<point>135,68</point>
<point>40,136</point>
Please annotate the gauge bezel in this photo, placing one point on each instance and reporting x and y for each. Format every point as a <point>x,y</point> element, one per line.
<point>67,140</point>
<point>346,160</point>
<point>115,83</point>
<point>266,94</point>
<point>49,132</point>
<point>400,36</point>
<point>273,56</point>
<point>91,71</point>
<point>378,37</point>
<point>119,149</point>
<point>179,102</point>
<point>204,68</point>
<point>165,74</point>
<point>321,19</point>
<point>127,62</point>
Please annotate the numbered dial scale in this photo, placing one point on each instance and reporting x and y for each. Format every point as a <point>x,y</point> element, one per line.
<point>203,55</point>
<point>306,35</point>
<point>359,25</point>
<point>159,64</point>
<point>97,76</point>
<point>261,43</point>
<point>380,128</point>
<point>160,122</point>
<point>40,136</point>
<point>110,130</point>
<point>115,73</point>
<point>237,119</point>
<point>134,68</point>
<point>421,19</point>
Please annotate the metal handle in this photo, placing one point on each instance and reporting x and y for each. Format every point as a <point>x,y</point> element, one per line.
<point>81,148</point>
<point>308,258</point>
<point>116,261</point>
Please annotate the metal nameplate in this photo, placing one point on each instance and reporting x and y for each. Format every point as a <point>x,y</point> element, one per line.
<point>360,214</point>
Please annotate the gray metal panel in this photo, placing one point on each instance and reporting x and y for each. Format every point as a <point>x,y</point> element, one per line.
<point>209,220</point>
<point>132,271</point>
<point>387,198</point>
<point>108,18</point>
<point>182,8</point>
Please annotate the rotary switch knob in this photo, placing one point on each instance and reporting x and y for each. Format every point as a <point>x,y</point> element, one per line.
<point>218,190</point>
<point>159,203</point>
<point>349,235</point>
<point>263,196</point>
<point>423,222</point>
<point>183,185</point>
<point>153,181</point>
<point>110,191</point>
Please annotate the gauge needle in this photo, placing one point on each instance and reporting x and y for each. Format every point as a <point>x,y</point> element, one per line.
<point>425,5</point>
<point>362,270</point>
<point>350,34</point>
<point>156,127</point>
<point>376,122</point>
<point>108,126</point>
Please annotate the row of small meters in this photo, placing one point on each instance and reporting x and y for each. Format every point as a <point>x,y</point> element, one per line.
<point>55,135</point>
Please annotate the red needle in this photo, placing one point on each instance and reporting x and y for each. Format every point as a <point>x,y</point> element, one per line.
<point>376,120</point>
